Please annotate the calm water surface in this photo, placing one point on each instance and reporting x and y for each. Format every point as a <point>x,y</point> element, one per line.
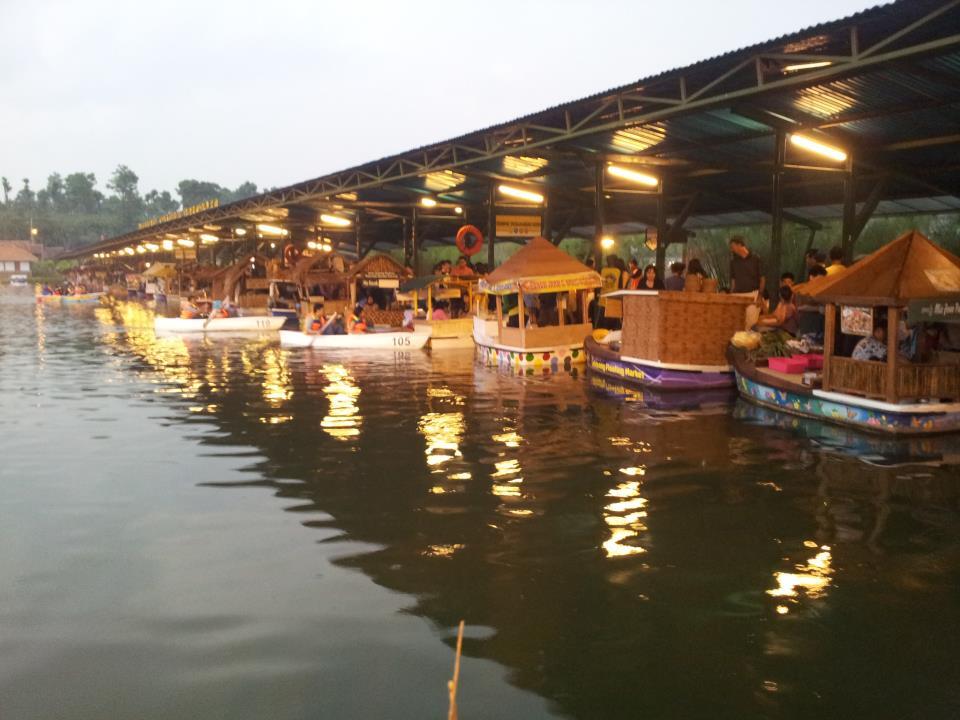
<point>198,528</point>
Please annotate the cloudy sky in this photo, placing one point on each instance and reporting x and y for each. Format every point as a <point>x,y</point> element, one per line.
<point>277,91</point>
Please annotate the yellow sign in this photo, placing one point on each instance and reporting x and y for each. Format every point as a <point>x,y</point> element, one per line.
<point>177,214</point>
<point>518,225</point>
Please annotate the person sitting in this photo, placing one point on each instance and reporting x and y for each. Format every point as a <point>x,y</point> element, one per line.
<point>440,312</point>
<point>675,281</point>
<point>651,280</point>
<point>463,268</point>
<point>836,260</point>
<point>784,316</point>
<point>408,320</point>
<point>695,276</point>
<point>873,347</point>
<point>357,322</point>
<point>548,314</point>
<point>189,310</point>
<point>46,290</point>
<point>787,279</point>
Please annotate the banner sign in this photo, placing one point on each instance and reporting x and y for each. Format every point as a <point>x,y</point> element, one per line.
<point>518,225</point>
<point>856,320</point>
<point>934,311</point>
<point>177,214</point>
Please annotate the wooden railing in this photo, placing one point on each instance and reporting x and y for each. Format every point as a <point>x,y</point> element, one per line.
<point>914,381</point>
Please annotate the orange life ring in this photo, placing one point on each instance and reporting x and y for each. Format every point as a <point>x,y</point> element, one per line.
<point>469,240</point>
<point>291,253</point>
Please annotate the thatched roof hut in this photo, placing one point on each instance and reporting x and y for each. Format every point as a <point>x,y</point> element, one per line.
<point>540,267</point>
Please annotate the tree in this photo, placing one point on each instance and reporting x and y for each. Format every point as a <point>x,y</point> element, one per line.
<point>244,190</point>
<point>80,192</point>
<point>25,198</point>
<point>194,192</point>
<point>159,203</point>
<point>123,182</point>
<point>7,187</point>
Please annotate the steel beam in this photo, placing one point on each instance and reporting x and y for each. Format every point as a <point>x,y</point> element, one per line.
<point>776,216</point>
<point>491,226</point>
<point>598,219</point>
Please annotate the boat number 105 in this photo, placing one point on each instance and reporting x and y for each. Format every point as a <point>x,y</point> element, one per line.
<point>402,341</point>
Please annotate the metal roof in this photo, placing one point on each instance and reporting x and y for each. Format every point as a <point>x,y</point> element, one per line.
<point>884,84</point>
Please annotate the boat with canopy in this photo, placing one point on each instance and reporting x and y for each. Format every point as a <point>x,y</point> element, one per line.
<point>894,302</point>
<point>452,332</point>
<point>541,310</point>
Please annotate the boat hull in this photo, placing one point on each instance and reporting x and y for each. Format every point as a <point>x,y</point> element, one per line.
<point>541,359</point>
<point>603,360</point>
<point>397,341</point>
<point>845,410</point>
<point>258,324</point>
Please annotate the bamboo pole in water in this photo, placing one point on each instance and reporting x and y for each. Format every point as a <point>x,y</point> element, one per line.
<point>452,684</point>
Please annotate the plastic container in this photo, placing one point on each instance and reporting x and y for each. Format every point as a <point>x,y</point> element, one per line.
<point>790,365</point>
<point>814,361</point>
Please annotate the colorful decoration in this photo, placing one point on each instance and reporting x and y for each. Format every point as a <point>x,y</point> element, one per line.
<point>550,361</point>
<point>862,417</point>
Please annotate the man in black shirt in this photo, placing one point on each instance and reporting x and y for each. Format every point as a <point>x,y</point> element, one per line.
<point>746,273</point>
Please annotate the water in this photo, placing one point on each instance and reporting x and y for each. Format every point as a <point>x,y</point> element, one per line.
<point>224,529</point>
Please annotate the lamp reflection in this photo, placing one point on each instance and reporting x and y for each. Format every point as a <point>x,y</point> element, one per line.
<point>810,579</point>
<point>343,419</point>
<point>625,516</point>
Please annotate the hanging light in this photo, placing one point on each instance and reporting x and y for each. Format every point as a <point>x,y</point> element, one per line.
<point>141,249</point>
<point>186,242</point>
<point>239,232</point>
<point>272,230</point>
<point>335,220</point>
<point>641,178</point>
<point>326,247</point>
<point>311,244</point>
<point>521,194</point>
<point>807,66</point>
<point>168,244</point>
<point>428,202</point>
<point>828,151</point>
<point>152,247</point>
<point>208,239</point>
<point>458,210</point>
<point>607,242</point>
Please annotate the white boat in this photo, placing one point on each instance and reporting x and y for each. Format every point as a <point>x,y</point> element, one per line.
<point>255,324</point>
<point>356,341</point>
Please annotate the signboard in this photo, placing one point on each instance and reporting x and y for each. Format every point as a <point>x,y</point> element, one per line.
<point>518,225</point>
<point>947,311</point>
<point>856,320</point>
<point>182,253</point>
<point>177,214</point>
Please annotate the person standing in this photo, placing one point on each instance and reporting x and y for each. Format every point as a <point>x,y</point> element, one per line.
<point>746,271</point>
<point>676,280</point>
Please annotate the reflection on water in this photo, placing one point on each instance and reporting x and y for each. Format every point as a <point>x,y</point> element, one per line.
<point>256,532</point>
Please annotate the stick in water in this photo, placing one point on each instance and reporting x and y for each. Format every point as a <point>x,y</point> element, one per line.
<point>452,684</point>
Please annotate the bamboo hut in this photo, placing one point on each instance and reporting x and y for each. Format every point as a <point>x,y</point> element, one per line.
<point>911,274</point>
<point>539,268</point>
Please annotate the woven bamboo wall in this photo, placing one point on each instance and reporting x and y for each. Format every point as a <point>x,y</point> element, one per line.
<point>681,327</point>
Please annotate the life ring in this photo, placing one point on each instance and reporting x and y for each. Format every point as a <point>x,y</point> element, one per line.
<point>469,240</point>
<point>291,253</point>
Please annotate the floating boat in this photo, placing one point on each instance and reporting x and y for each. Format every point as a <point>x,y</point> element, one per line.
<point>78,299</point>
<point>541,269</point>
<point>892,396</point>
<point>356,341</point>
<point>49,298</point>
<point>254,324</point>
<point>444,334</point>
<point>671,340</point>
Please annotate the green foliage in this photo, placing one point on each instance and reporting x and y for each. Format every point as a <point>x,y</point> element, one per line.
<point>69,211</point>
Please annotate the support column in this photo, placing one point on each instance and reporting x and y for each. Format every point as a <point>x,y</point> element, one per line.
<point>849,211</point>
<point>414,250</point>
<point>491,226</point>
<point>776,213</point>
<point>546,218</point>
<point>357,226</point>
<point>598,219</point>
<point>663,232</point>
<point>407,259</point>
<point>829,341</point>
<point>893,323</point>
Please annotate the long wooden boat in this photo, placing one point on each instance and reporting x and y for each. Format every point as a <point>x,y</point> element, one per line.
<point>49,299</point>
<point>356,341</point>
<point>786,393</point>
<point>254,324</point>
<point>671,340</point>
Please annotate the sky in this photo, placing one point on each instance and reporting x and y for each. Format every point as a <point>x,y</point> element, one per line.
<point>279,91</point>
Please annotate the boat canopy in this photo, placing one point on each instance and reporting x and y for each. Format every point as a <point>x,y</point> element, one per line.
<point>419,283</point>
<point>539,267</point>
<point>909,268</point>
